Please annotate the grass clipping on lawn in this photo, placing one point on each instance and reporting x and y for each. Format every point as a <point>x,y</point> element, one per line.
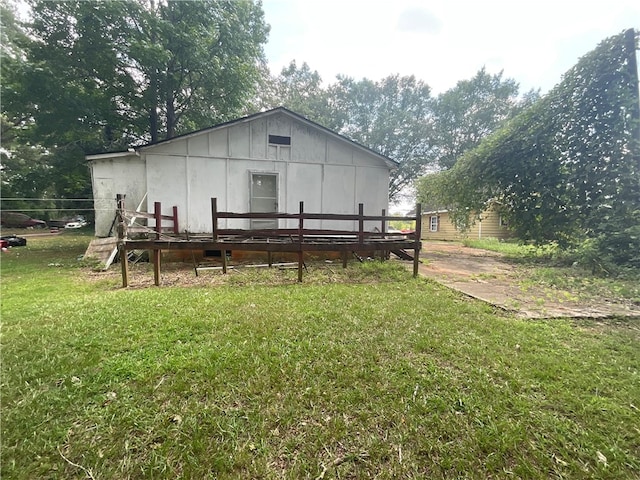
<point>397,378</point>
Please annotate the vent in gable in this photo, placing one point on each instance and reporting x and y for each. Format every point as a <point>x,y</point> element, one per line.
<point>279,140</point>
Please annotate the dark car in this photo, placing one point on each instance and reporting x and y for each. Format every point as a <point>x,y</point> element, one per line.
<point>14,241</point>
<point>20,220</point>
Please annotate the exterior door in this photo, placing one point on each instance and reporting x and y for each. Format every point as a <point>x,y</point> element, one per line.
<point>264,198</point>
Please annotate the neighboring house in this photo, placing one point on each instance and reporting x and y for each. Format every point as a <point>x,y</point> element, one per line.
<point>437,225</point>
<point>265,162</point>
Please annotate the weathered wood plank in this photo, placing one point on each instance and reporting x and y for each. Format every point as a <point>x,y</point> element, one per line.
<point>102,250</point>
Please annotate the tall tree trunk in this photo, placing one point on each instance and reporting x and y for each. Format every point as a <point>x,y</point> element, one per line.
<point>171,115</point>
<point>153,124</point>
<point>153,103</point>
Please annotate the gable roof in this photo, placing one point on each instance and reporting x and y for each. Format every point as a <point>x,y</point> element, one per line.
<point>392,164</point>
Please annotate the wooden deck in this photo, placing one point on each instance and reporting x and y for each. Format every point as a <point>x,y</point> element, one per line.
<point>298,240</point>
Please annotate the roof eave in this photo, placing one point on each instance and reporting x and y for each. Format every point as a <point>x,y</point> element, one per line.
<point>104,156</point>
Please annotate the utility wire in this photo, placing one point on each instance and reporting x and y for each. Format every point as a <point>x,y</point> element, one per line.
<point>6,199</point>
<point>19,210</point>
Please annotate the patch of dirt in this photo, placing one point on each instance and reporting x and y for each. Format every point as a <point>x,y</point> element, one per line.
<point>489,277</point>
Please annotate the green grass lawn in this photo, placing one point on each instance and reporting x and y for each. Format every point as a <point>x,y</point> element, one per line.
<point>399,378</point>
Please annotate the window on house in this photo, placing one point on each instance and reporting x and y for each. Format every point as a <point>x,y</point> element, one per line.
<point>503,222</point>
<point>279,140</point>
<point>433,223</point>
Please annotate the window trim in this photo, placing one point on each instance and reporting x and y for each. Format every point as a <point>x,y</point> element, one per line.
<point>431,223</point>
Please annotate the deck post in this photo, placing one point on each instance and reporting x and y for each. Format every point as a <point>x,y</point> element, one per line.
<point>214,219</point>
<point>300,235</point>
<point>383,229</point>
<point>361,224</point>
<point>122,232</point>
<point>214,232</point>
<point>124,265</point>
<point>418,244</point>
<point>176,229</point>
<point>157,213</point>
<point>156,267</point>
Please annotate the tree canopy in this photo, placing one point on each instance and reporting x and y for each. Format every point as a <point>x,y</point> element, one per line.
<point>398,117</point>
<point>300,89</point>
<point>98,76</point>
<point>566,168</point>
<point>118,71</point>
<point>391,116</point>
<point>471,110</point>
<point>85,76</point>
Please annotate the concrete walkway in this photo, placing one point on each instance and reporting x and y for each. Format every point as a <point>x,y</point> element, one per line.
<point>488,277</point>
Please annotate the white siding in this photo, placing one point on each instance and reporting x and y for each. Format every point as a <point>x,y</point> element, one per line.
<point>218,143</point>
<point>109,177</point>
<point>329,175</point>
<point>308,145</point>
<point>167,184</point>
<point>304,184</point>
<point>239,141</point>
<point>259,138</point>
<point>199,145</point>
<point>339,153</point>
<point>206,179</point>
<point>279,125</point>
<point>370,182</point>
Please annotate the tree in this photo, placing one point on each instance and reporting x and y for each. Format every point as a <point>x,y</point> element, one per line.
<point>23,170</point>
<point>118,71</point>
<point>102,75</point>
<point>391,116</point>
<point>300,90</point>
<point>568,167</point>
<point>470,111</point>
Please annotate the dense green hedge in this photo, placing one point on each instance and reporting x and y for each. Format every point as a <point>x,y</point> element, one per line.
<point>568,168</point>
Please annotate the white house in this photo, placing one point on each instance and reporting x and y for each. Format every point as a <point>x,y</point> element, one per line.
<point>265,162</point>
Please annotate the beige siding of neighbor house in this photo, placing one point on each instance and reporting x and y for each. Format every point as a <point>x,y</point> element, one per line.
<point>488,227</point>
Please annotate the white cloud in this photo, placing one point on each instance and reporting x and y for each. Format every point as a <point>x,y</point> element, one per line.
<point>415,19</point>
<point>442,41</point>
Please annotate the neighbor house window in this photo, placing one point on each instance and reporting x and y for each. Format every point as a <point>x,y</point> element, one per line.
<point>433,223</point>
<point>503,222</point>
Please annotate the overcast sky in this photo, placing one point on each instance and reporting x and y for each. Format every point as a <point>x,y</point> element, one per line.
<point>442,41</point>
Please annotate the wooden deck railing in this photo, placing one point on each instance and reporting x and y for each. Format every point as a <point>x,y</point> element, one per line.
<point>298,239</point>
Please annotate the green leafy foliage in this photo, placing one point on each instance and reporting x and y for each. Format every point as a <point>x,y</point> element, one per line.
<point>89,76</point>
<point>472,110</point>
<point>391,116</point>
<point>566,168</point>
<point>300,89</point>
